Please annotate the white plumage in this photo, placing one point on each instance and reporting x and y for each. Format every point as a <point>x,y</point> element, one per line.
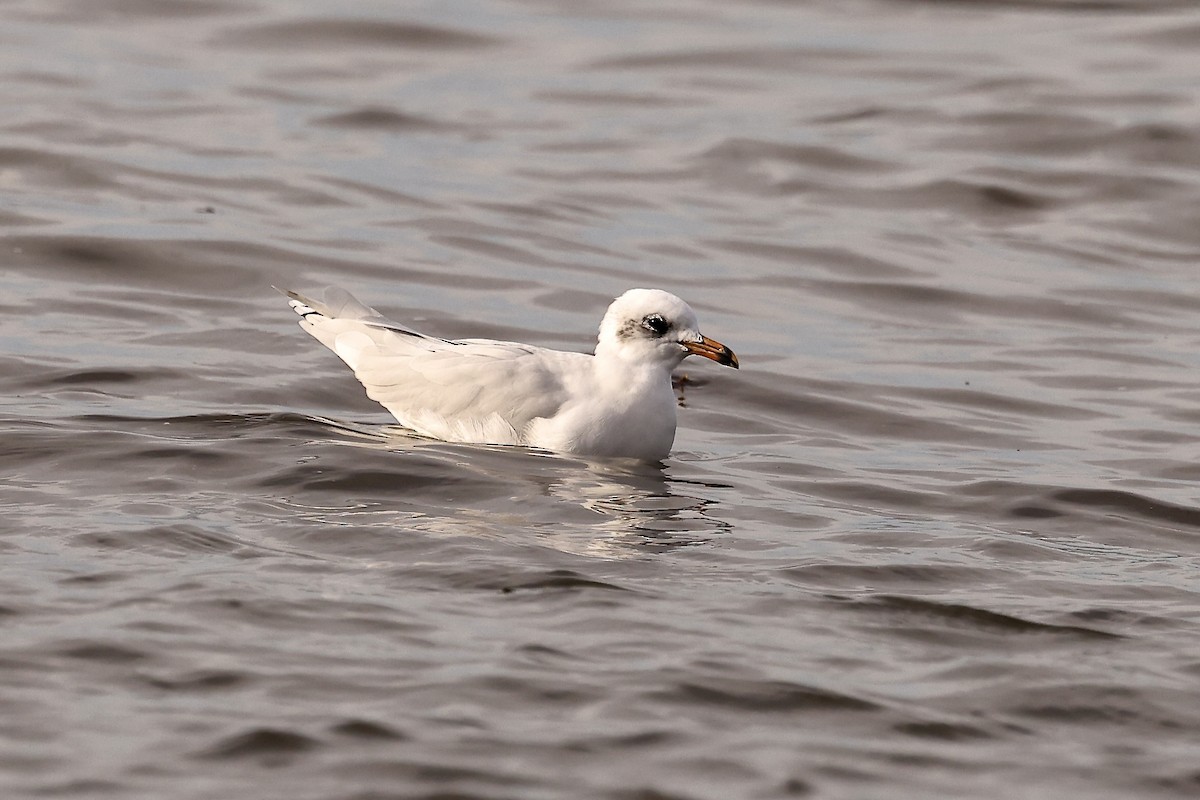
<point>616,403</point>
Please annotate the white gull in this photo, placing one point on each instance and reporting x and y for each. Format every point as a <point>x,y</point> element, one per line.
<point>616,403</point>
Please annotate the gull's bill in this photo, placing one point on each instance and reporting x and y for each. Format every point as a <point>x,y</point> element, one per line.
<point>711,348</point>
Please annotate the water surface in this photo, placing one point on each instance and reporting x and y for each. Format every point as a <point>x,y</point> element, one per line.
<point>938,537</point>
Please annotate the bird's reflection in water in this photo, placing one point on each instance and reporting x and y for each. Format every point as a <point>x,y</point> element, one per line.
<point>607,509</point>
<point>640,508</point>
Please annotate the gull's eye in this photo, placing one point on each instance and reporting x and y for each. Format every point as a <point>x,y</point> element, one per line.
<point>655,324</point>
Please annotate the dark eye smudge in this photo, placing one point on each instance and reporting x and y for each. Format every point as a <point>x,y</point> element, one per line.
<point>628,330</point>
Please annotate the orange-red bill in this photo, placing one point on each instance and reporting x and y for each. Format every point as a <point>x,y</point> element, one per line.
<point>711,348</point>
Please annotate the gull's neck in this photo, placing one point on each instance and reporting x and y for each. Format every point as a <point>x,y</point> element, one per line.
<point>619,374</point>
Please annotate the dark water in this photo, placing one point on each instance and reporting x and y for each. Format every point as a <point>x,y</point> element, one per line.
<point>939,537</point>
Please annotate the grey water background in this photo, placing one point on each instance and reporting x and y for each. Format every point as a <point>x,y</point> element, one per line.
<point>937,538</point>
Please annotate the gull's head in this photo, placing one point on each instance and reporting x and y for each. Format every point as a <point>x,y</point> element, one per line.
<point>653,326</point>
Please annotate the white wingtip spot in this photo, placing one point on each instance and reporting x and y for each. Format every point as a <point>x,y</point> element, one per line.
<point>301,308</point>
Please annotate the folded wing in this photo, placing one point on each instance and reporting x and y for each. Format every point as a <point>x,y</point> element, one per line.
<point>470,391</point>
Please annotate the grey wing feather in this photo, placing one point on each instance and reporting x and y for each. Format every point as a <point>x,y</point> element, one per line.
<point>336,303</point>
<point>481,393</point>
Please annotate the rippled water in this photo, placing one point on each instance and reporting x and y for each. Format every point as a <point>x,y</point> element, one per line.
<point>940,536</point>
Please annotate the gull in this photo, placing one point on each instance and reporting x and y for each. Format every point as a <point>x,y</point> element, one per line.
<point>618,403</point>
